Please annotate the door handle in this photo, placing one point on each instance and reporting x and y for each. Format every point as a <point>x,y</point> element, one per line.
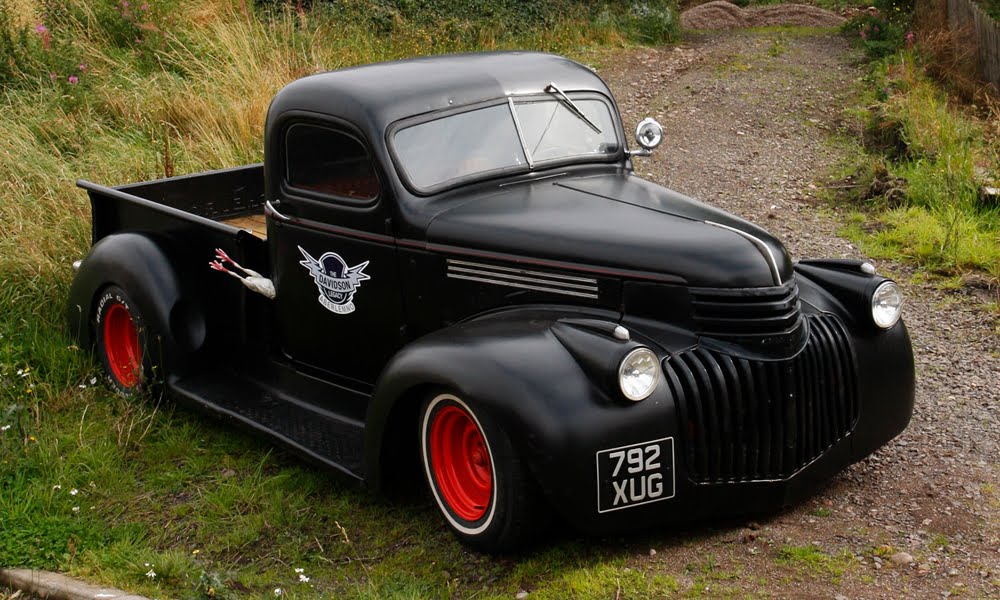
<point>271,210</point>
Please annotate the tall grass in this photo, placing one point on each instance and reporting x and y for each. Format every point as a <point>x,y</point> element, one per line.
<point>100,89</point>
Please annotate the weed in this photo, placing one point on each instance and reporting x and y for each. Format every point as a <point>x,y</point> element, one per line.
<point>821,511</point>
<point>779,46</point>
<point>938,542</point>
<point>813,560</point>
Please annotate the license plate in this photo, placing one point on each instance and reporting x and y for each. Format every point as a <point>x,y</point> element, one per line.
<point>635,475</point>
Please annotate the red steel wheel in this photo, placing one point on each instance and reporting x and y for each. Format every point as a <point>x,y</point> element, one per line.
<point>121,344</point>
<point>118,327</point>
<point>461,462</point>
<point>480,484</point>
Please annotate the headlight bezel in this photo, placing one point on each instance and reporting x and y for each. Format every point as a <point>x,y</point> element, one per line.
<point>638,353</point>
<point>874,304</point>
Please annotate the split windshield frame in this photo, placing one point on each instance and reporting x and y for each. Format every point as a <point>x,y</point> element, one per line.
<point>530,165</point>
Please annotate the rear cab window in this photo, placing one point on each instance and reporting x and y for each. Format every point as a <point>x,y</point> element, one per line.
<point>323,161</point>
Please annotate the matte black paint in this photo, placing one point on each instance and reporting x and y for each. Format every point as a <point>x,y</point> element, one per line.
<point>343,389</point>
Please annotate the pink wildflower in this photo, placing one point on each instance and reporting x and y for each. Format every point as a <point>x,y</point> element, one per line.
<point>43,31</point>
<point>53,76</point>
<point>83,66</point>
<point>73,79</point>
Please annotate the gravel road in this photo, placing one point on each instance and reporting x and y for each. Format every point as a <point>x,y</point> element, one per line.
<point>748,119</point>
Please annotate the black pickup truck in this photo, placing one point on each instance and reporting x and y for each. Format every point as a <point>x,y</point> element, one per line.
<point>447,270</point>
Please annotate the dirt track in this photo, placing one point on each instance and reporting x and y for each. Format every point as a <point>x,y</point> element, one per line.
<point>748,118</point>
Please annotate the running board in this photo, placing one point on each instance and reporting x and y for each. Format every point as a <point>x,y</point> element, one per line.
<point>303,426</point>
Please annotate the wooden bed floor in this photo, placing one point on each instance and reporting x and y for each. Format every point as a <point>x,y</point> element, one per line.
<point>256,224</point>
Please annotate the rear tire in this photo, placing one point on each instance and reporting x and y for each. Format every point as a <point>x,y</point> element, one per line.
<point>121,341</point>
<point>477,480</point>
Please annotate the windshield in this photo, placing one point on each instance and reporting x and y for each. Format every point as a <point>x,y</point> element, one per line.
<point>486,140</point>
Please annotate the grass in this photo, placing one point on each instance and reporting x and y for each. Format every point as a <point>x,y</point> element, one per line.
<point>712,580</point>
<point>816,562</point>
<point>139,494</point>
<point>917,173</point>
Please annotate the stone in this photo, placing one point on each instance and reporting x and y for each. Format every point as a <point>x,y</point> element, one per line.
<point>901,558</point>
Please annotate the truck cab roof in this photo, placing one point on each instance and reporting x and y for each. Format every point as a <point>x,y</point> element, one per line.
<point>372,97</point>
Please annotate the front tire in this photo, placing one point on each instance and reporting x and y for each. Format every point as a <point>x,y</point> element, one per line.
<point>121,341</point>
<point>478,482</point>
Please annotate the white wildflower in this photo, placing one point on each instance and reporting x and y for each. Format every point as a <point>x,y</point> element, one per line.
<point>76,509</point>
<point>303,578</point>
<point>300,570</point>
<point>93,381</point>
<point>82,387</point>
<point>151,574</point>
<point>277,591</point>
<point>145,564</point>
<point>74,492</point>
<point>56,487</point>
<point>5,428</point>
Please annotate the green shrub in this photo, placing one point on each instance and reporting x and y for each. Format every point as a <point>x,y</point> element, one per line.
<point>884,32</point>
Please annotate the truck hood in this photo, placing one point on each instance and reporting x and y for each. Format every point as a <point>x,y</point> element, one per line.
<point>618,222</point>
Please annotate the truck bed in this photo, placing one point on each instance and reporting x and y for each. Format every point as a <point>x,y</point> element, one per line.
<point>255,223</point>
<point>229,197</point>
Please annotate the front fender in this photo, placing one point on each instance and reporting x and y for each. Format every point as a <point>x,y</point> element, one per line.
<point>140,266</point>
<point>541,377</point>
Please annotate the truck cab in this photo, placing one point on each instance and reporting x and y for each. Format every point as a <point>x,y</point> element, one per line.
<point>447,268</point>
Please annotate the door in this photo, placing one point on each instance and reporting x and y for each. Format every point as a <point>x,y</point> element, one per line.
<point>338,299</point>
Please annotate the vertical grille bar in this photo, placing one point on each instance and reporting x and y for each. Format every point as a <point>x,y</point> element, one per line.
<point>738,412</point>
<point>744,420</point>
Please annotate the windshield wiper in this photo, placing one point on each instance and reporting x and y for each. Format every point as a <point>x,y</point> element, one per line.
<point>554,89</point>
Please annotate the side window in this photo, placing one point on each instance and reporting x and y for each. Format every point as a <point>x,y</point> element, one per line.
<point>329,162</point>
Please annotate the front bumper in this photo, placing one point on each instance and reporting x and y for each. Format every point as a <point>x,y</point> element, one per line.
<point>723,479</point>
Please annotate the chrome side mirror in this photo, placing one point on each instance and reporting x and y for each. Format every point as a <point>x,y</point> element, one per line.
<point>648,134</point>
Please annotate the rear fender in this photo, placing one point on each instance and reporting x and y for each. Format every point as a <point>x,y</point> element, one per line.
<point>141,267</point>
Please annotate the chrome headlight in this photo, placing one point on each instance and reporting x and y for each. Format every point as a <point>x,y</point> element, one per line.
<point>638,374</point>
<point>887,304</point>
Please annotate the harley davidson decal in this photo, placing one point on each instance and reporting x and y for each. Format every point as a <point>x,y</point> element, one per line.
<point>336,281</point>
